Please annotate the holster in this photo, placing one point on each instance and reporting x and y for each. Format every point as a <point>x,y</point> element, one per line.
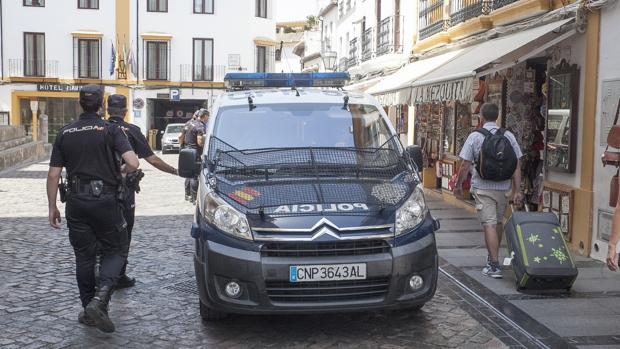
<point>62,190</point>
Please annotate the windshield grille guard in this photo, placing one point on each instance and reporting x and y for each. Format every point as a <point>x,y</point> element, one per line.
<point>284,181</point>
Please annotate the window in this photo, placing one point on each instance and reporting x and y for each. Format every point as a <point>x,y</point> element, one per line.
<point>203,6</point>
<point>261,59</point>
<point>88,4</point>
<point>34,3</point>
<point>157,6</point>
<point>34,54</point>
<point>88,59</point>
<point>157,60</point>
<point>261,8</point>
<point>203,60</point>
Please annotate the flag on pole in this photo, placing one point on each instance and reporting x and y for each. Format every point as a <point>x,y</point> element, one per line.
<point>112,60</point>
<point>132,62</point>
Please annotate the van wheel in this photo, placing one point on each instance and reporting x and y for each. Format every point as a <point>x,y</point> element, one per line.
<point>210,314</point>
<point>416,308</point>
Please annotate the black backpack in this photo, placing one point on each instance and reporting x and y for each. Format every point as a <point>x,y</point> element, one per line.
<point>497,160</point>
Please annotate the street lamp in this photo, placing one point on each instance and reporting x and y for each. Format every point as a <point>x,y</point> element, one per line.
<point>329,60</point>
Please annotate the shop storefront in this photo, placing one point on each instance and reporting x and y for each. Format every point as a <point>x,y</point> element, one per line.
<point>537,91</point>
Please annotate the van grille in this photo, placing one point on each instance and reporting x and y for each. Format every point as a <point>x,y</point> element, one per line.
<point>327,291</point>
<point>325,249</point>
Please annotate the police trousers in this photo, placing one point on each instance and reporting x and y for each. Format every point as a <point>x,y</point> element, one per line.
<point>96,224</point>
<point>129,212</point>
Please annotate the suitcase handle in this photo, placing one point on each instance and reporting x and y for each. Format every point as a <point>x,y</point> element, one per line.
<point>512,206</point>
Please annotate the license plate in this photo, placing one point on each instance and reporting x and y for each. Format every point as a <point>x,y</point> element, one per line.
<point>327,272</point>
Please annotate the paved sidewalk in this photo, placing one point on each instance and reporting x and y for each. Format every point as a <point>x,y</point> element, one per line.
<point>588,317</point>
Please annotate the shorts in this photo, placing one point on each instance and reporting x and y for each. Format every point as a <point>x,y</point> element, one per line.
<point>490,205</point>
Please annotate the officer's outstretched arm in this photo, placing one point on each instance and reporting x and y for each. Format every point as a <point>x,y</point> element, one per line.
<point>160,164</point>
<point>131,161</point>
<point>53,177</point>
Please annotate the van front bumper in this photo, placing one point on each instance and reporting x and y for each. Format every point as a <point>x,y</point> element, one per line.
<point>266,288</point>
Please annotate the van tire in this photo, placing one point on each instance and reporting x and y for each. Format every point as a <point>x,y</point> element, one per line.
<point>210,314</point>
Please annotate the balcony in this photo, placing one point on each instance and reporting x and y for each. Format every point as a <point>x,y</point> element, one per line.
<point>33,68</point>
<point>463,10</point>
<point>190,72</point>
<point>432,19</point>
<point>367,44</point>
<point>353,53</point>
<point>497,4</point>
<point>390,36</point>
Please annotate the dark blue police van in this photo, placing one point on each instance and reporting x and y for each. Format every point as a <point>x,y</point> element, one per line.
<point>307,202</point>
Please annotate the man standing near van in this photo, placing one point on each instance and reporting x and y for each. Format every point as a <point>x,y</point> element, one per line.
<point>496,156</point>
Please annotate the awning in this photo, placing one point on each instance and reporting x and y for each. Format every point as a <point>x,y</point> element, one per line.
<point>87,34</point>
<point>362,86</point>
<point>453,80</point>
<point>395,89</point>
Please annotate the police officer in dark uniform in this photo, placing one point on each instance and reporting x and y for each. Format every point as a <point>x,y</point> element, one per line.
<point>88,148</point>
<point>186,129</point>
<point>194,138</point>
<point>117,108</point>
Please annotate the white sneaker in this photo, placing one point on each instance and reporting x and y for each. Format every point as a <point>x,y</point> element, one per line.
<point>493,271</point>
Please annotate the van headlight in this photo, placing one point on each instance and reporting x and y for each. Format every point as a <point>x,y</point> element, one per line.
<point>225,217</point>
<point>412,212</point>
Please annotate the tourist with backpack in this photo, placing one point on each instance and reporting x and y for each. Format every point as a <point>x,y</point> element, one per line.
<point>495,154</point>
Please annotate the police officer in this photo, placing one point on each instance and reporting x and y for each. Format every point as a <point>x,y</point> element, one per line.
<point>117,108</point>
<point>194,138</point>
<point>87,148</point>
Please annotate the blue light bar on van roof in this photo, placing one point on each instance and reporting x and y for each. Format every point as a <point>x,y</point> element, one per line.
<point>262,80</point>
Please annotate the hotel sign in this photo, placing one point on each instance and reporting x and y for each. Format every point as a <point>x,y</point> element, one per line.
<point>58,87</point>
<point>455,90</point>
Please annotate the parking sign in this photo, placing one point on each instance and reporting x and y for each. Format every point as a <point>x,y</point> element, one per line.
<point>175,94</point>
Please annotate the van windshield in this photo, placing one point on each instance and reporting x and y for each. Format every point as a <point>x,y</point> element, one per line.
<point>303,126</point>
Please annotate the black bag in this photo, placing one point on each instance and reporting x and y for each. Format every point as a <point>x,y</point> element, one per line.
<point>497,160</point>
<point>540,258</point>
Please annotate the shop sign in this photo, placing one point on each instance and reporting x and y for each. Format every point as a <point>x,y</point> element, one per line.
<point>455,90</point>
<point>58,88</point>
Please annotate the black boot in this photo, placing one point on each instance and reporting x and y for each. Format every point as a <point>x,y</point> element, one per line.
<point>97,309</point>
<point>85,319</point>
<point>125,281</point>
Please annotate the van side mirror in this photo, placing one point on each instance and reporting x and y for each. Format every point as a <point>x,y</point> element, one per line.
<point>415,153</point>
<point>189,163</point>
<point>162,132</point>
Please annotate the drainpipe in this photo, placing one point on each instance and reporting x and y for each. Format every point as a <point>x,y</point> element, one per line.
<point>137,62</point>
<point>1,44</point>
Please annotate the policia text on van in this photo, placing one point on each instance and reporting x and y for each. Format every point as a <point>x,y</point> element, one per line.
<point>307,203</point>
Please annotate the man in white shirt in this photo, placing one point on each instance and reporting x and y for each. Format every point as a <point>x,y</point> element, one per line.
<point>491,196</point>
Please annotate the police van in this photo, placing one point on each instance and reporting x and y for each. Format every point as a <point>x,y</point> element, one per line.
<point>307,202</point>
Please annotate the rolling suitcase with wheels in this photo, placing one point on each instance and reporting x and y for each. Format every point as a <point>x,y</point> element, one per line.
<point>540,257</point>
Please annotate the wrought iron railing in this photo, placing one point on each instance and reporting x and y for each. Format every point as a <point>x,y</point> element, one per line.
<point>199,72</point>
<point>29,67</point>
<point>368,44</point>
<point>390,35</point>
<point>463,10</point>
<point>432,19</point>
<point>501,3</point>
<point>342,64</point>
<point>353,53</point>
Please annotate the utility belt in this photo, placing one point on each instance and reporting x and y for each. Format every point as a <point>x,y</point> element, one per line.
<point>94,187</point>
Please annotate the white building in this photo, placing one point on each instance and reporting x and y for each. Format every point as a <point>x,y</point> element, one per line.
<point>180,48</point>
<point>288,36</point>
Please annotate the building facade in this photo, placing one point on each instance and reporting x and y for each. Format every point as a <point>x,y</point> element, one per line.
<point>538,61</point>
<point>168,57</point>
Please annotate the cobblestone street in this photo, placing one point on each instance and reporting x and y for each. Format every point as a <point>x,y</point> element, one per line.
<point>39,303</point>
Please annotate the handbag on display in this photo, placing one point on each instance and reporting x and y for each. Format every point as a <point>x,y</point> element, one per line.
<point>613,158</point>
<point>613,139</point>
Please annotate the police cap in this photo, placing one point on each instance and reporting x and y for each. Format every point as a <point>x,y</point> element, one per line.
<point>91,96</point>
<point>117,101</point>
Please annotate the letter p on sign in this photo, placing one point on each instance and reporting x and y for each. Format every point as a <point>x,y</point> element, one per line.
<point>175,94</point>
